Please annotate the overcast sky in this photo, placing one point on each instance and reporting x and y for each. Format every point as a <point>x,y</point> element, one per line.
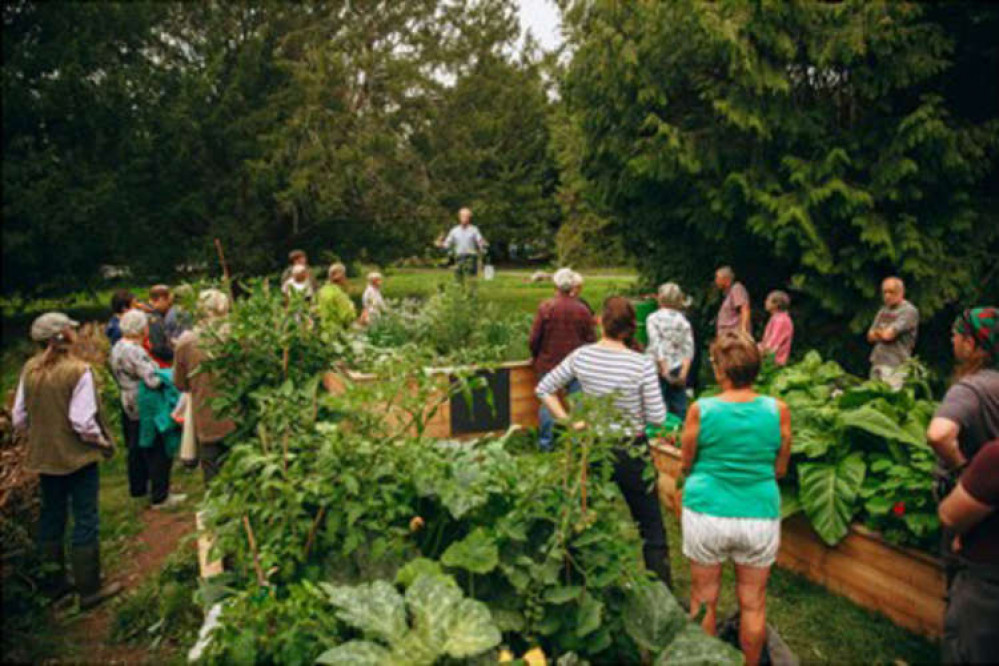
<point>541,17</point>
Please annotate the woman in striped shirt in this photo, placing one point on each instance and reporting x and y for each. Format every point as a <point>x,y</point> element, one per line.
<point>611,367</point>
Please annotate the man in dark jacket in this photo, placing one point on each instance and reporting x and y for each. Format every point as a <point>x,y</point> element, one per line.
<point>562,324</point>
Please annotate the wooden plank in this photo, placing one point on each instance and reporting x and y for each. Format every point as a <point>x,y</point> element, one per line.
<point>205,543</point>
<point>906,606</point>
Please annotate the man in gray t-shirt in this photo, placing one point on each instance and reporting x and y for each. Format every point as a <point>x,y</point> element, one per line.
<point>466,241</point>
<point>893,334</point>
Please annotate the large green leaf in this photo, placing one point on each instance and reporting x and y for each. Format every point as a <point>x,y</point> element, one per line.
<point>693,647</point>
<point>589,616</point>
<point>470,630</point>
<point>828,493</point>
<point>446,621</point>
<point>789,502</point>
<point>413,569</point>
<point>652,617</point>
<point>374,608</point>
<point>813,443</point>
<point>356,653</point>
<point>869,419</point>
<point>477,553</point>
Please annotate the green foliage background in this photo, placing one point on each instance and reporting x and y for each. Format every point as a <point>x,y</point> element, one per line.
<point>816,147</point>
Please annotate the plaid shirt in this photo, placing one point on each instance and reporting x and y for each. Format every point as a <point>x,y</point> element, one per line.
<point>561,325</point>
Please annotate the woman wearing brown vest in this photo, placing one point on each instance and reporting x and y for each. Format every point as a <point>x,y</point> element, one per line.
<point>58,405</point>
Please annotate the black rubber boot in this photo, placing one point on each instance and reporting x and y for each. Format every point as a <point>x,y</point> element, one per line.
<point>53,583</point>
<point>87,571</point>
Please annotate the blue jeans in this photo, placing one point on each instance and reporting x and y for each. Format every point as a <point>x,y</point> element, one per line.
<point>58,492</point>
<point>674,397</point>
<point>546,422</point>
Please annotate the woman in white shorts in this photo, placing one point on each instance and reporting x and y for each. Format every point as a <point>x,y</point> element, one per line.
<point>735,446</point>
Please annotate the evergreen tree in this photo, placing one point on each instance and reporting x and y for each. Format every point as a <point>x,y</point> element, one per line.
<point>803,143</point>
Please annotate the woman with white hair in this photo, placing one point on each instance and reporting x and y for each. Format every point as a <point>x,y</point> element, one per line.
<point>209,428</point>
<point>671,345</point>
<point>148,467</point>
<point>130,365</point>
<point>372,302</point>
<point>780,329</point>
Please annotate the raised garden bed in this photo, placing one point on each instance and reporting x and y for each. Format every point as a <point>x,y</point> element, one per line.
<point>905,585</point>
<point>512,385</point>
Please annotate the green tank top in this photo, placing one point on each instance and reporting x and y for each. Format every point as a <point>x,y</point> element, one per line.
<point>733,474</point>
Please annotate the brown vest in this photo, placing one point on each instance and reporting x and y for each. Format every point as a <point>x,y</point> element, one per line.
<point>53,446</point>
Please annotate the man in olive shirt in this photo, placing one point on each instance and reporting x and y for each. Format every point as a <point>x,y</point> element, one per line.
<point>893,334</point>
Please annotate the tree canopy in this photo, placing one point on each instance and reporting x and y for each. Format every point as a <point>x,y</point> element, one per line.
<point>813,146</point>
<point>816,147</point>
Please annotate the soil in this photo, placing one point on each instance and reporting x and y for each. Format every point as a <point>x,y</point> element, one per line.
<point>90,634</point>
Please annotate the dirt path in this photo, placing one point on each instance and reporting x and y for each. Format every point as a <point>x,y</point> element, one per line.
<point>90,634</point>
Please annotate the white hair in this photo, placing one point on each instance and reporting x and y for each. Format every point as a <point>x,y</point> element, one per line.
<point>577,279</point>
<point>374,275</point>
<point>213,303</point>
<point>564,279</point>
<point>133,322</point>
<point>672,296</point>
<point>726,272</point>
<point>299,269</point>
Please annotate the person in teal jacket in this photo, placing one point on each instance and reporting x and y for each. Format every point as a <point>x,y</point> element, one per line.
<point>159,436</point>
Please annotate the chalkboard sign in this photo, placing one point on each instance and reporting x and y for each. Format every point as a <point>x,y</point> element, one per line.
<point>481,417</point>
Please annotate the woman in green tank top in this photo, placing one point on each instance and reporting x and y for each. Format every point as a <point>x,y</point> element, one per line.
<point>735,447</point>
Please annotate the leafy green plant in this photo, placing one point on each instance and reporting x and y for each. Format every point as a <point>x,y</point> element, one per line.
<point>453,326</point>
<point>856,444</point>
<point>345,489</point>
<point>444,623</point>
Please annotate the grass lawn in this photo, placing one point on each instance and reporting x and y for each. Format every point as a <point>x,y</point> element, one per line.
<point>510,289</point>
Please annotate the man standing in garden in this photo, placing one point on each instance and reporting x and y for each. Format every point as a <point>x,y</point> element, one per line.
<point>562,324</point>
<point>893,334</point>
<point>467,242</point>
<point>733,315</point>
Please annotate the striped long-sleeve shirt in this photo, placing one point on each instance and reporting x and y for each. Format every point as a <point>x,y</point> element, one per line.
<point>629,375</point>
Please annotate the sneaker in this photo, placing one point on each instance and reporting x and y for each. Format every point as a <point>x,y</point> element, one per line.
<point>171,501</point>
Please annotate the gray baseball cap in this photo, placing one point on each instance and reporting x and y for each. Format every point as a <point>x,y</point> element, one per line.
<point>50,325</point>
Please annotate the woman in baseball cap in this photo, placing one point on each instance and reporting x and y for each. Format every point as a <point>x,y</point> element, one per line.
<point>58,406</point>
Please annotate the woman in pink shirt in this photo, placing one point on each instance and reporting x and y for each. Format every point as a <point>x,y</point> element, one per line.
<point>780,329</point>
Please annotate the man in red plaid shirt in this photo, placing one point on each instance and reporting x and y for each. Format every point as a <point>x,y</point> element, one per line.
<point>562,324</point>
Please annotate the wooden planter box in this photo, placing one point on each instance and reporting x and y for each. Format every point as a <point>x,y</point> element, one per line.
<point>906,585</point>
<point>512,385</point>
